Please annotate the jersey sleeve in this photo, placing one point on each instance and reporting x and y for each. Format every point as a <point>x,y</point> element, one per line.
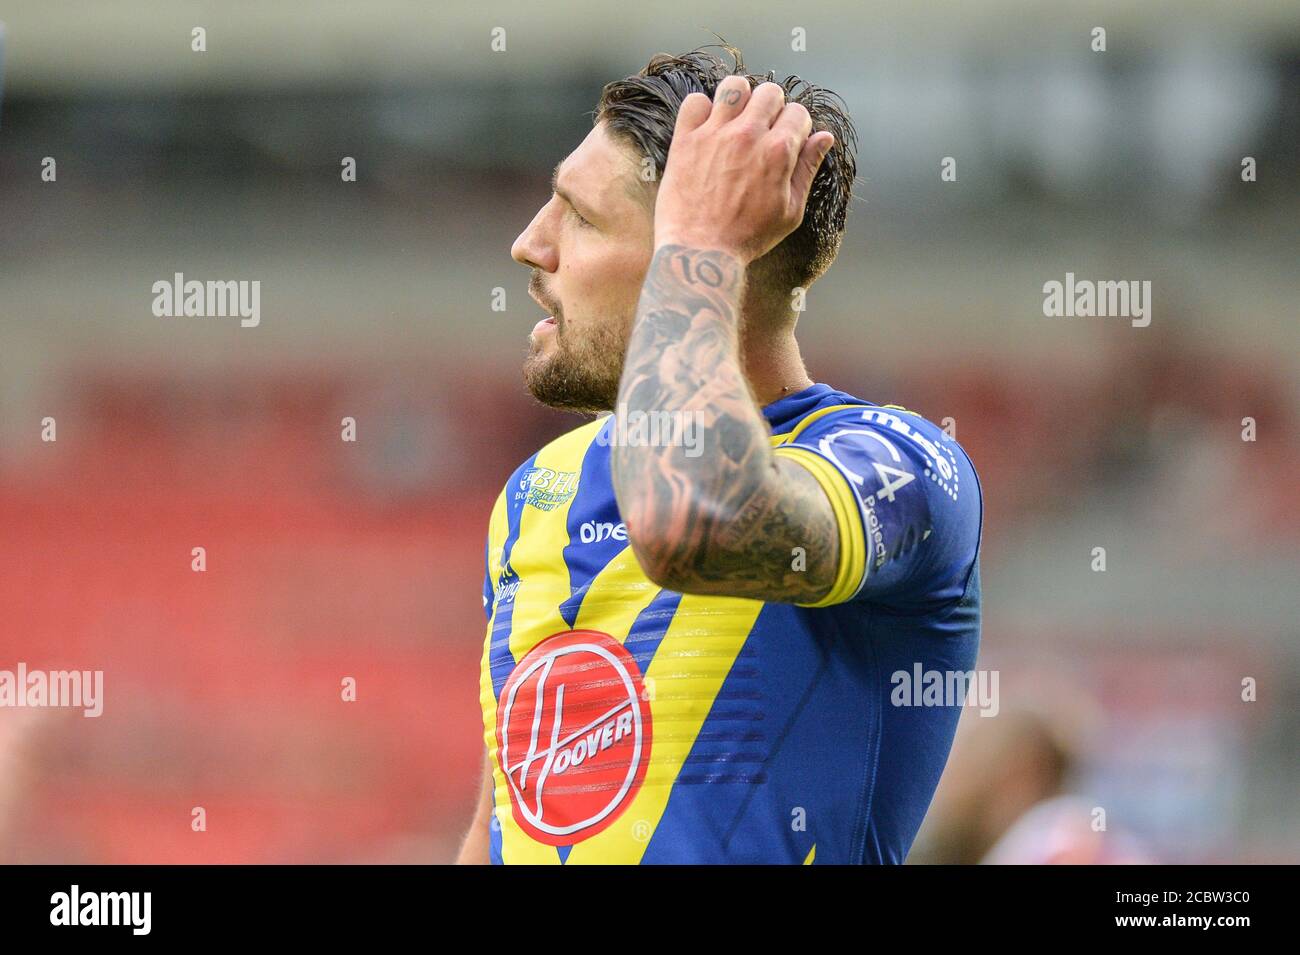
<point>907,503</point>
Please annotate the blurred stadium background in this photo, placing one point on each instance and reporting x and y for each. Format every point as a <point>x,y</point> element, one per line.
<point>1119,690</point>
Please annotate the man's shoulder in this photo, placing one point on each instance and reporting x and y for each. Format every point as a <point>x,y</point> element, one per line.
<point>918,492</point>
<point>838,411</point>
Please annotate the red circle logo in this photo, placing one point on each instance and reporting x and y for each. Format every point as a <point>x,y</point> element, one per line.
<point>573,736</point>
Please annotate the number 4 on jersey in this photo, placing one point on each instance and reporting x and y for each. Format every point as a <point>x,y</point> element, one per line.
<point>887,487</point>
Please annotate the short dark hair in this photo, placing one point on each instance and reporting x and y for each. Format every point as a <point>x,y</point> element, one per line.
<point>643,110</point>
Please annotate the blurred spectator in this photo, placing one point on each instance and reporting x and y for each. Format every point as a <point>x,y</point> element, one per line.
<point>1001,800</point>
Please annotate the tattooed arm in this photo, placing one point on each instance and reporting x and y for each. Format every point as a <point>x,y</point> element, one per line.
<point>727,517</point>
<point>724,516</point>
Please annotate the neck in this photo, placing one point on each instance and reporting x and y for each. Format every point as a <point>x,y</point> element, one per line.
<point>771,361</point>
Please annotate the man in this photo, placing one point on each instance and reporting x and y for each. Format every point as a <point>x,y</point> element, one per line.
<point>695,604</point>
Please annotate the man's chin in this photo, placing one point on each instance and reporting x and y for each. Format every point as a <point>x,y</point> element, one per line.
<point>565,388</point>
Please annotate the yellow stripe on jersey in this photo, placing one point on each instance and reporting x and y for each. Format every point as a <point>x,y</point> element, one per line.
<point>696,654</point>
<point>852,560</point>
<point>498,530</point>
<point>812,854</point>
<point>804,423</point>
<point>538,554</point>
<point>616,597</point>
<point>538,559</point>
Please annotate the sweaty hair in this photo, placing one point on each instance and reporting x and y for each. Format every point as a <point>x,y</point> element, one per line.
<point>642,110</point>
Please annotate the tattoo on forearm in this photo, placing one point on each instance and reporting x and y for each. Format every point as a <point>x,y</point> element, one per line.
<point>734,512</point>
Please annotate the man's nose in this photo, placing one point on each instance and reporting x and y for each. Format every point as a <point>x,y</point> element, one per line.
<point>534,247</point>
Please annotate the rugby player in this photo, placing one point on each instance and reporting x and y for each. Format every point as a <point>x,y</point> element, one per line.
<point>696,602</point>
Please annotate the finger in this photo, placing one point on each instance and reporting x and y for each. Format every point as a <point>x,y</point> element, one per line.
<point>765,105</point>
<point>791,129</point>
<point>693,112</point>
<point>793,121</point>
<point>729,99</point>
<point>810,160</point>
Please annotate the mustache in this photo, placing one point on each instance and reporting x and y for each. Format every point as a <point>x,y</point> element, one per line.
<point>538,291</point>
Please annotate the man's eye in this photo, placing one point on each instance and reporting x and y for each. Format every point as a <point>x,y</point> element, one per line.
<point>578,217</point>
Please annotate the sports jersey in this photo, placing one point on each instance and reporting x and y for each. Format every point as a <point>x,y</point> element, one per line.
<point>628,723</point>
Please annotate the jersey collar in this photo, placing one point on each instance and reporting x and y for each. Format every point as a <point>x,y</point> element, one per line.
<point>793,407</point>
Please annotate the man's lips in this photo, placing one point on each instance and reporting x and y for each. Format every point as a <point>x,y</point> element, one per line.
<point>550,321</point>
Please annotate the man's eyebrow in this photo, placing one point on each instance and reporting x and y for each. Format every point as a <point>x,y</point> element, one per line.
<point>555,188</point>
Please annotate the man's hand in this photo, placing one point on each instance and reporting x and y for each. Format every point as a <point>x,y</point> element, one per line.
<point>739,170</point>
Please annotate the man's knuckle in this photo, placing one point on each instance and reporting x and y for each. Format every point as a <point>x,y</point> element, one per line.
<point>778,147</point>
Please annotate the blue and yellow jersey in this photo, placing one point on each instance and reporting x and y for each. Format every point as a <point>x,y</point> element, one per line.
<point>627,723</point>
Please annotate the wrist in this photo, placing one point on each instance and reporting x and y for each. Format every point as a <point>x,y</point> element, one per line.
<point>682,238</point>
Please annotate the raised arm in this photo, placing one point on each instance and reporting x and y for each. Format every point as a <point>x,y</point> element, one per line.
<point>724,517</point>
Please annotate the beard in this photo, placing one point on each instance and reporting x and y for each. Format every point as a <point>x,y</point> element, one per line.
<point>580,373</point>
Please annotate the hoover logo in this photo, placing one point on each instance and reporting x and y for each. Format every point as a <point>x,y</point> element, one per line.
<point>573,736</point>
